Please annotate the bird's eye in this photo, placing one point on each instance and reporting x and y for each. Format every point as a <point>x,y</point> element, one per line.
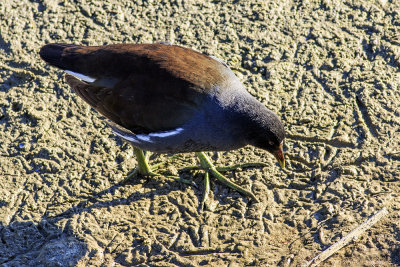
<point>270,143</point>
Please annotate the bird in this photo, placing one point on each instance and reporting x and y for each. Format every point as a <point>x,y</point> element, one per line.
<point>166,98</point>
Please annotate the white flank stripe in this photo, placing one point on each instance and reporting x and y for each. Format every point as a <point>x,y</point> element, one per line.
<point>143,137</point>
<point>131,138</point>
<point>81,76</point>
<point>147,137</point>
<point>166,133</point>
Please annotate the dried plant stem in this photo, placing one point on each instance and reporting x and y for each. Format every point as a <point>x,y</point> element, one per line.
<point>352,236</point>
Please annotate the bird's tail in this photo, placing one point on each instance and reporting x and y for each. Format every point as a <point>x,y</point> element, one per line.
<point>52,54</point>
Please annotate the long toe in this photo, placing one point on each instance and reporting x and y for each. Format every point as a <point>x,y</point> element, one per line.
<point>209,167</point>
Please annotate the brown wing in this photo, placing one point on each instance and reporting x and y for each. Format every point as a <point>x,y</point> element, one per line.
<point>136,110</point>
<point>144,87</point>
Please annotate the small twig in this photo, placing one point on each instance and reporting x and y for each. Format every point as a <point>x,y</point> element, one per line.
<point>352,236</point>
<point>380,193</point>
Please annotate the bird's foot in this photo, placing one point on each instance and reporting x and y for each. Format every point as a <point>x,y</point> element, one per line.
<point>207,165</point>
<point>144,169</point>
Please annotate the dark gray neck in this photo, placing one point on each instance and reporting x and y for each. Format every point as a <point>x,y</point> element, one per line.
<point>249,118</point>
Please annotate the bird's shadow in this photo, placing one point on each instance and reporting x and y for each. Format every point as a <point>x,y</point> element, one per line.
<point>95,200</point>
<point>395,252</point>
<point>157,187</point>
<point>27,243</point>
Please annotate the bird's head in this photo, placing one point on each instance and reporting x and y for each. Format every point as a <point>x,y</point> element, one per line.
<point>276,149</point>
<point>267,132</point>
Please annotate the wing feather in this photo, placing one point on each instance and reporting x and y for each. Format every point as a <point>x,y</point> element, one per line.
<point>145,87</point>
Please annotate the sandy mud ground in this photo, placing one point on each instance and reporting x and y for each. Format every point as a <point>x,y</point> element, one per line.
<point>330,69</point>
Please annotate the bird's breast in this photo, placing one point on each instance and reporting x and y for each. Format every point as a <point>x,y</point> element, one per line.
<point>212,128</point>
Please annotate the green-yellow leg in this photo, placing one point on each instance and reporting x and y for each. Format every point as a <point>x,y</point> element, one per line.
<point>206,189</point>
<point>207,165</point>
<point>144,169</point>
<point>143,166</point>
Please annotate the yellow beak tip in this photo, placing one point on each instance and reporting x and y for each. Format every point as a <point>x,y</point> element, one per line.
<point>282,164</point>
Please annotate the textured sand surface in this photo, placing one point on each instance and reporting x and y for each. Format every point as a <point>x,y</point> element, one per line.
<point>330,69</point>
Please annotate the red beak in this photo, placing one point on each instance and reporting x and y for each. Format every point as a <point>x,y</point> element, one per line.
<point>279,156</point>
